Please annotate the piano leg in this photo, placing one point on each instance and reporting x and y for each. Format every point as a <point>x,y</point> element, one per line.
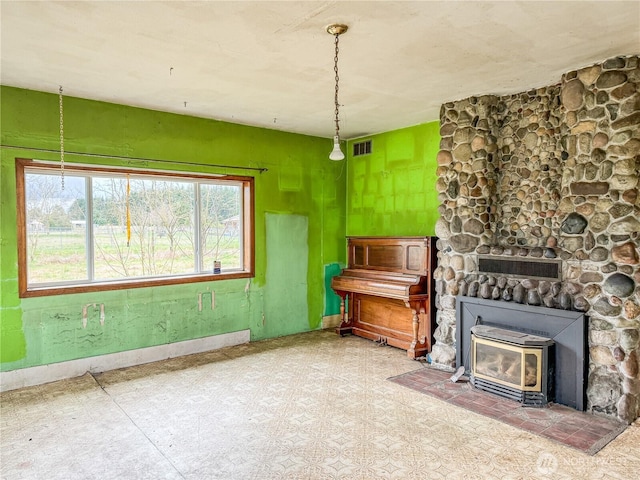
<point>345,324</point>
<point>418,346</point>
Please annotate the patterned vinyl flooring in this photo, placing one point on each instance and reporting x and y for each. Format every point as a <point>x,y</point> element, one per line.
<point>308,406</point>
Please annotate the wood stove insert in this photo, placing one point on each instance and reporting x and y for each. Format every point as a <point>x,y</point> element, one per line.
<point>566,328</point>
<point>512,364</point>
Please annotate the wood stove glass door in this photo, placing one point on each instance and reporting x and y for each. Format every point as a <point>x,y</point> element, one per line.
<point>506,364</point>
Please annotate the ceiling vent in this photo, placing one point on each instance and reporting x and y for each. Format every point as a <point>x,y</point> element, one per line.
<point>362,148</point>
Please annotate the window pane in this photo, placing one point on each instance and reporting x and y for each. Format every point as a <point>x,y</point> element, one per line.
<point>157,239</point>
<point>221,222</point>
<point>56,228</point>
<point>114,228</point>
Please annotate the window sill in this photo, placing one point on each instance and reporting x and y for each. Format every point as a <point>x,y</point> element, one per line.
<point>125,285</point>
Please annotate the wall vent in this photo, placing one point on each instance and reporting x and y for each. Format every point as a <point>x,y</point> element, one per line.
<point>533,268</point>
<point>362,148</point>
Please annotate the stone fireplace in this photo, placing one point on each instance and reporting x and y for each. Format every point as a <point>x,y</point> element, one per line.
<point>540,207</point>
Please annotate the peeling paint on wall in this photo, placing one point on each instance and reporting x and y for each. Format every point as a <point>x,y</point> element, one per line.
<point>212,297</point>
<point>85,313</point>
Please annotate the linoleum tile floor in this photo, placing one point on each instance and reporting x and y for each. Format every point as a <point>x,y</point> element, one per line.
<point>306,406</point>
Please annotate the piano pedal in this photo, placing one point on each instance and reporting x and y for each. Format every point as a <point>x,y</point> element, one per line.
<point>382,342</point>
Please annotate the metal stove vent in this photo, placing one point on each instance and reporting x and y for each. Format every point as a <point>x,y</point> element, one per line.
<point>533,268</point>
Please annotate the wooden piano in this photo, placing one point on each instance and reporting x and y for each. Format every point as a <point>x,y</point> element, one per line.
<point>388,288</point>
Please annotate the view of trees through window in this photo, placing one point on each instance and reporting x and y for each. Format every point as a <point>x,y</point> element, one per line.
<point>113,226</point>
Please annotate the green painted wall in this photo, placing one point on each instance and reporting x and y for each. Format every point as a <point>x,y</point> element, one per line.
<point>286,273</point>
<point>392,190</point>
<point>303,191</point>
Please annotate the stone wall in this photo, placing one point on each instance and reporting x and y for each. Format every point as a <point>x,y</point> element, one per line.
<point>550,173</point>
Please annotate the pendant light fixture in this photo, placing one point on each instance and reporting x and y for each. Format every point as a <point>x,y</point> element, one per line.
<point>336,29</point>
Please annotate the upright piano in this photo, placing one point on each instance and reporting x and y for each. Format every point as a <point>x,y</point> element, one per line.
<point>387,291</point>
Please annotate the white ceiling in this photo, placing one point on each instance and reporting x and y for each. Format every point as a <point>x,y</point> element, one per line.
<point>270,64</point>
